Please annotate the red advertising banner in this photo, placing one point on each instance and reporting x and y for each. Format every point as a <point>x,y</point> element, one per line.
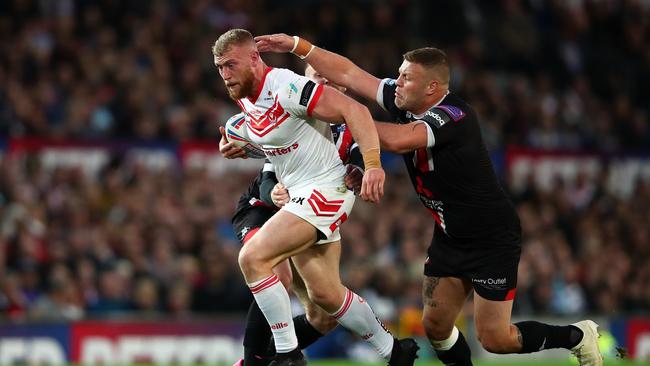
<point>102,342</point>
<point>638,338</point>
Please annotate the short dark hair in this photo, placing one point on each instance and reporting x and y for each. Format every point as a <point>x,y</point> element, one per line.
<point>427,56</point>
<point>431,58</point>
<point>230,38</point>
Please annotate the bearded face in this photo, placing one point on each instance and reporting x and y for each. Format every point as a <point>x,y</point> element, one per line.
<point>242,87</point>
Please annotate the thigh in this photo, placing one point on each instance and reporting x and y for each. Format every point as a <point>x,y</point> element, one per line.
<point>319,266</point>
<point>492,317</point>
<point>282,236</point>
<point>443,299</point>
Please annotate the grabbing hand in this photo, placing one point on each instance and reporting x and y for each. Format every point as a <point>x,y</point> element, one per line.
<point>280,195</point>
<point>372,186</point>
<point>353,178</point>
<point>229,149</point>
<point>280,43</point>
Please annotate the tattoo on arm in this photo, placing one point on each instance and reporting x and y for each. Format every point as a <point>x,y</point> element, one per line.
<point>428,287</point>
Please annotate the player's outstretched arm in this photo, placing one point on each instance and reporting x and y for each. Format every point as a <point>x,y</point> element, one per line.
<point>402,139</point>
<point>334,67</point>
<point>335,107</point>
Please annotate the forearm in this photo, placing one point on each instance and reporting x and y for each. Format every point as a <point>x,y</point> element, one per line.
<point>332,66</point>
<point>267,183</point>
<point>362,127</point>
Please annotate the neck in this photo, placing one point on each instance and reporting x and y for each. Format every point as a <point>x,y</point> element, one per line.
<point>258,78</point>
<point>432,101</point>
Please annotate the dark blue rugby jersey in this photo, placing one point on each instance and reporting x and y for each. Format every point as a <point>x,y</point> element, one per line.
<point>453,176</point>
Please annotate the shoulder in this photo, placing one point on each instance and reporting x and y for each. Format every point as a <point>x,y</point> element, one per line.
<point>450,109</point>
<point>386,93</point>
<point>296,89</point>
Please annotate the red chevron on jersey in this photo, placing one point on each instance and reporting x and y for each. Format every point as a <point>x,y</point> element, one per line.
<point>264,123</point>
<point>323,206</point>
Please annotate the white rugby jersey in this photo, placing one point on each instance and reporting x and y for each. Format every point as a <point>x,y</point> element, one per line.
<point>280,121</point>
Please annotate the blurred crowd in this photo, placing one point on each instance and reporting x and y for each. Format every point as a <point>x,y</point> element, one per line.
<point>570,75</point>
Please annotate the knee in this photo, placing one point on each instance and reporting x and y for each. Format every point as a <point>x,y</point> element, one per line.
<point>320,320</point>
<point>249,259</point>
<point>494,341</point>
<point>435,328</point>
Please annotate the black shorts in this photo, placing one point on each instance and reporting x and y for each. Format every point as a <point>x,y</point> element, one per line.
<point>490,265</point>
<point>245,222</point>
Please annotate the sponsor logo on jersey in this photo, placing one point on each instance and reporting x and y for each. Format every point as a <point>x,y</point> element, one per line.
<point>298,200</point>
<point>454,112</point>
<point>306,92</point>
<point>281,151</point>
<point>436,117</point>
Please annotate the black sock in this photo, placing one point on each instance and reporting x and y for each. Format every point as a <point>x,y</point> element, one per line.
<point>256,337</point>
<point>536,336</point>
<point>459,354</point>
<point>305,332</point>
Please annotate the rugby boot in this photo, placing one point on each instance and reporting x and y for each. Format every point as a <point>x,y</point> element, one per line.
<point>293,358</point>
<point>587,351</point>
<point>404,353</point>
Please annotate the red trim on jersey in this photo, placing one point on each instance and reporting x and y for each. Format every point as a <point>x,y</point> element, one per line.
<point>346,304</point>
<point>436,216</point>
<point>422,159</point>
<point>241,106</point>
<point>266,283</point>
<point>511,294</point>
<point>261,86</point>
<point>317,211</point>
<point>314,99</point>
<point>322,206</point>
<point>332,202</point>
<point>249,235</point>
<point>346,142</point>
<point>338,222</point>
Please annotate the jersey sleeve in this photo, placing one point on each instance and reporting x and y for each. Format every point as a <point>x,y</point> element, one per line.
<point>267,182</point>
<point>299,95</point>
<point>441,126</point>
<point>386,98</point>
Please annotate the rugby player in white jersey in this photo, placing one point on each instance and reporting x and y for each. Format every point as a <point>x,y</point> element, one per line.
<point>284,114</point>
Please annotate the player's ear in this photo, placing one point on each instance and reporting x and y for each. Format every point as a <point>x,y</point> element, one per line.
<point>432,86</point>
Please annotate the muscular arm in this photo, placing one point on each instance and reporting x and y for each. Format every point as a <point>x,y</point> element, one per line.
<point>335,107</point>
<point>402,139</point>
<point>334,67</point>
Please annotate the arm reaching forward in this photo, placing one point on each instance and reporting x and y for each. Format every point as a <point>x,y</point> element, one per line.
<point>334,67</point>
<point>335,107</point>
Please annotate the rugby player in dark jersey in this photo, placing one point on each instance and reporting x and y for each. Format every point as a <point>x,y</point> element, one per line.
<point>254,208</point>
<point>477,238</point>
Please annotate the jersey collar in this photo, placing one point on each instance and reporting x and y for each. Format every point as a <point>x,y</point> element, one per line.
<point>420,116</point>
<point>261,86</point>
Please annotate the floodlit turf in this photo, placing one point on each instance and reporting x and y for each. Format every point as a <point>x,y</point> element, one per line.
<point>608,362</point>
<point>478,363</point>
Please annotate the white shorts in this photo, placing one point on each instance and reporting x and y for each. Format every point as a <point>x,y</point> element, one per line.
<point>326,208</point>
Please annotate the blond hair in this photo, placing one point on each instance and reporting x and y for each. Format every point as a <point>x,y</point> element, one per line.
<point>233,37</point>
